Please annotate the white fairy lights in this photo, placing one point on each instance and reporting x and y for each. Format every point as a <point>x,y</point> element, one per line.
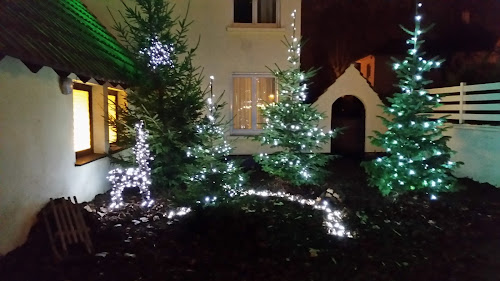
<point>418,159</point>
<point>158,53</point>
<point>332,219</point>
<point>292,125</point>
<point>134,177</point>
<point>215,148</point>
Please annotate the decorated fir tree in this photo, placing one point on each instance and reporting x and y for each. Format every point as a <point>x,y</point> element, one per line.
<point>418,156</point>
<point>212,173</point>
<point>166,90</point>
<point>292,126</point>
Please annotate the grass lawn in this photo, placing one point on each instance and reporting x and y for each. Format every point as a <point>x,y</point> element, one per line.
<point>456,237</point>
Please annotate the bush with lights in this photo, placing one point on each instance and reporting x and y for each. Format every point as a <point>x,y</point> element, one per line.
<point>167,89</point>
<point>418,155</point>
<point>211,172</point>
<point>291,126</point>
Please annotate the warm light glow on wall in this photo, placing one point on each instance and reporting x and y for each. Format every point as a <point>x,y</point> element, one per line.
<point>81,120</point>
<point>112,102</point>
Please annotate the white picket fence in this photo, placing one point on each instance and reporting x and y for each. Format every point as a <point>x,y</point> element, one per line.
<point>469,103</point>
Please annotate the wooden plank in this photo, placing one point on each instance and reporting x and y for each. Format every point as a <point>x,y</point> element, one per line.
<point>482,117</point>
<point>58,224</point>
<point>450,98</point>
<point>445,90</point>
<point>482,87</point>
<point>482,97</point>
<point>53,243</point>
<point>76,220</point>
<point>85,229</point>
<point>71,230</point>
<point>449,107</point>
<point>450,116</point>
<point>64,224</point>
<point>491,107</point>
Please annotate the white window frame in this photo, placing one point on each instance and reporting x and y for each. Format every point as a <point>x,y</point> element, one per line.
<point>255,17</point>
<point>253,76</point>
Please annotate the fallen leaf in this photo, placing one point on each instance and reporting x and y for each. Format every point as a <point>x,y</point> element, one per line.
<point>313,252</point>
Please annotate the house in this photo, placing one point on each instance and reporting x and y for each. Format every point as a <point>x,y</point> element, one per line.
<point>53,142</point>
<point>376,69</point>
<point>239,40</point>
<point>58,68</point>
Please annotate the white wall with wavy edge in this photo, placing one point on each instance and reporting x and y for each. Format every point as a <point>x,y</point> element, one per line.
<point>37,159</point>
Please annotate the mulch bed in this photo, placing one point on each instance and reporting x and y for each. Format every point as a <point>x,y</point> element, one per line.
<point>456,237</point>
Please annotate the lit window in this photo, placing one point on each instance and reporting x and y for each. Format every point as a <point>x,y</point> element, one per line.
<point>82,119</point>
<point>112,115</point>
<point>250,95</point>
<point>256,11</point>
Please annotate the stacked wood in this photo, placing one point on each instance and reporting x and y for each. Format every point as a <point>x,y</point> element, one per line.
<point>66,227</point>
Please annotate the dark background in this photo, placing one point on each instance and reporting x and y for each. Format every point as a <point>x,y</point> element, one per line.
<point>339,32</point>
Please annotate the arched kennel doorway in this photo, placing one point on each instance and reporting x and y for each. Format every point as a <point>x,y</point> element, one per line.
<point>348,112</point>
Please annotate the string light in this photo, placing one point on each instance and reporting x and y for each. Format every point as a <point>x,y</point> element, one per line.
<point>291,125</point>
<point>332,219</point>
<point>417,159</point>
<point>158,53</point>
<point>134,177</point>
<point>211,157</point>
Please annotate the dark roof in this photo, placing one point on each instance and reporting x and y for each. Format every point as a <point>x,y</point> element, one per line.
<point>63,35</point>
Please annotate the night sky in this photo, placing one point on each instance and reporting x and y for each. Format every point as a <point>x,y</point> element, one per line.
<point>338,32</point>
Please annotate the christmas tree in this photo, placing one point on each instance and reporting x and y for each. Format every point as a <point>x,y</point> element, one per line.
<point>166,90</point>
<point>418,156</point>
<point>212,173</point>
<point>291,126</point>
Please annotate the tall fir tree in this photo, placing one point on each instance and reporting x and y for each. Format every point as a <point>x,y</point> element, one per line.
<point>418,156</point>
<point>212,173</point>
<point>292,125</point>
<point>166,90</point>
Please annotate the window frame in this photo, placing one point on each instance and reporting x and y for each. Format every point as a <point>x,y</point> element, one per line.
<point>255,17</point>
<point>254,131</point>
<point>89,151</point>
<point>114,93</point>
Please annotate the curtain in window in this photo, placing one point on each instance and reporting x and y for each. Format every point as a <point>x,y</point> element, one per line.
<point>266,93</point>
<point>81,120</point>
<point>242,103</point>
<point>267,11</point>
<point>111,117</point>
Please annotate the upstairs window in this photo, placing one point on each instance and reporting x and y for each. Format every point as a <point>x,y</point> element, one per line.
<point>250,94</point>
<point>256,11</point>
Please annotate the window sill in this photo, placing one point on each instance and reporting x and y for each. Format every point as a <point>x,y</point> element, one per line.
<point>80,161</point>
<point>260,28</point>
<point>241,133</point>
<point>113,148</point>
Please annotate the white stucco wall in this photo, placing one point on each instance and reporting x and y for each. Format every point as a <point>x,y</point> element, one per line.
<point>37,160</point>
<point>352,83</point>
<point>478,146</point>
<point>223,50</point>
